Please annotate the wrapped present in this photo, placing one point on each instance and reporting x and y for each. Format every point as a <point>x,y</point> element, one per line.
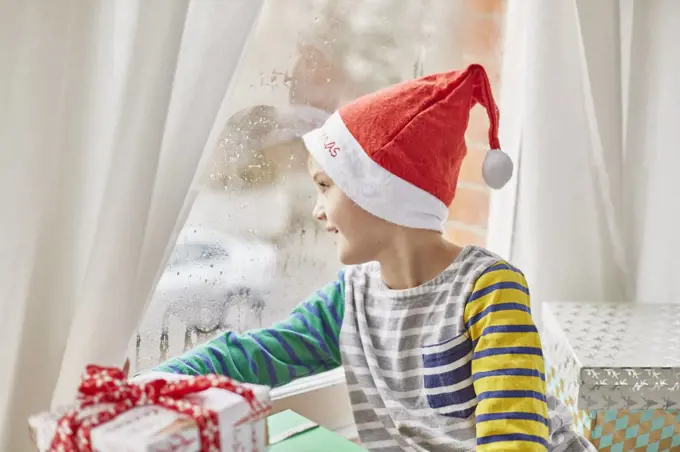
<point>617,368</point>
<point>157,413</point>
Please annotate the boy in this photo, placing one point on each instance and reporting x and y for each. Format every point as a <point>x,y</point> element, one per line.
<point>438,344</point>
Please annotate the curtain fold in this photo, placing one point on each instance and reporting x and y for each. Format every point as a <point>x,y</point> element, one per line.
<point>593,199</point>
<point>558,234</point>
<point>108,107</point>
<point>653,218</point>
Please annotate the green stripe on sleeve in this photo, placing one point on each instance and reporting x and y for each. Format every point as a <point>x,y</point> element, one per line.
<point>306,343</point>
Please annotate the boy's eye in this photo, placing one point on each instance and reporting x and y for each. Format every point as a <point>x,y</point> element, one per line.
<point>323,185</point>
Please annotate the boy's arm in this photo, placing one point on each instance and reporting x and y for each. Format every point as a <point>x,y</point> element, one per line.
<point>508,373</point>
<point>304,344</point>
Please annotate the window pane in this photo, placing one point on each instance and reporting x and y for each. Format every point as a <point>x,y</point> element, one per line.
<point>250,250</point>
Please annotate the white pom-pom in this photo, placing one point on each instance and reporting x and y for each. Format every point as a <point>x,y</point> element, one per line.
<point>496,169</point>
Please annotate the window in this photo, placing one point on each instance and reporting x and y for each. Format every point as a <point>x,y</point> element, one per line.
<point>250,250</point>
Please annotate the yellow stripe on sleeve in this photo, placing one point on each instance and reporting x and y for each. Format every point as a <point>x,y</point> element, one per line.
<point>508,315</point>
<point>528,446</point>
<point>502,365</point>
<point>512,382</point>
<point>495,427</point>
<point>496,407</point>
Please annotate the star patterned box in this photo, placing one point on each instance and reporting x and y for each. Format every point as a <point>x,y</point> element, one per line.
<point>617,367</point>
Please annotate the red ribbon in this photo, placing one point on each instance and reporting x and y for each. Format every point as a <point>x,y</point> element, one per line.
<point>108,385</point>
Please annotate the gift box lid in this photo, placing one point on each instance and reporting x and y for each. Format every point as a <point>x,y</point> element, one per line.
<point>617,355</point>
<point>289,431</point>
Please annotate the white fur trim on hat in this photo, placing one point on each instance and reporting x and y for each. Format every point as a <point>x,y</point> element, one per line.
<point>368,184</point>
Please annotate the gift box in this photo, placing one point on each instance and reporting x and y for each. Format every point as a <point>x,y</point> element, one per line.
<point>617,368</point>
<point>157,413</point>
<point>291,432</point>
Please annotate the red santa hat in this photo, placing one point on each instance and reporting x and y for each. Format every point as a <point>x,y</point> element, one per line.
<point>397,152</point>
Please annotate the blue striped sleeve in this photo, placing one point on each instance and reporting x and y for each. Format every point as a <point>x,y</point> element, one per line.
<point>305,343</point>
<point>507,366</point>
<point>268,359</point>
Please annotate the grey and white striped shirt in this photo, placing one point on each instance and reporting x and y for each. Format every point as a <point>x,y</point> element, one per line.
<point>387,339</point>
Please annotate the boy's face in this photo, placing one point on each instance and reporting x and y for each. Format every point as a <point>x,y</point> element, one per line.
<point>360,236</point>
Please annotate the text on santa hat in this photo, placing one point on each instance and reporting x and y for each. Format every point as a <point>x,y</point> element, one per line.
<point>330,145</point>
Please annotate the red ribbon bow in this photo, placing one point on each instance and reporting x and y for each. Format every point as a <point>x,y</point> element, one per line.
<point>108,385</point>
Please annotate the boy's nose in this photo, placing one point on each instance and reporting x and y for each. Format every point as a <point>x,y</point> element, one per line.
<point>318,212</point>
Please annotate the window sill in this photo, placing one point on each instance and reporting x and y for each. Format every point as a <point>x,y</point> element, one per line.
<point>322,398</point>
<point>317,382</point>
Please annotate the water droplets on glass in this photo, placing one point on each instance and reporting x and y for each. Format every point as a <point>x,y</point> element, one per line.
<point>250,249</point>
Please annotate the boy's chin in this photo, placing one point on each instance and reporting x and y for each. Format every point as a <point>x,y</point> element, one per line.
<point>351,257</point>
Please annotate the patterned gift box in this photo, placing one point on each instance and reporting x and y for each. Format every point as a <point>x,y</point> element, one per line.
<point>617,368</point>
<point>156,412</point>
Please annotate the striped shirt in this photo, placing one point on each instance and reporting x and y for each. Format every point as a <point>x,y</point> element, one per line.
<point>453,364</point>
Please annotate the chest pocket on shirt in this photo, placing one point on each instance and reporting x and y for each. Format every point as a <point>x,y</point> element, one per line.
<point>447,375</point>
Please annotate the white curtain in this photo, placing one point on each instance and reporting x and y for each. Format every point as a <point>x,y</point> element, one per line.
<point>106,107</point>
<point>590,107</point>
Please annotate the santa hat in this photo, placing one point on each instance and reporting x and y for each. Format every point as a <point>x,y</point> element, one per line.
<point>397,152</point>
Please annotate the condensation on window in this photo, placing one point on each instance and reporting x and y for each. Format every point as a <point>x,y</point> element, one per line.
<point>250,249</point>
